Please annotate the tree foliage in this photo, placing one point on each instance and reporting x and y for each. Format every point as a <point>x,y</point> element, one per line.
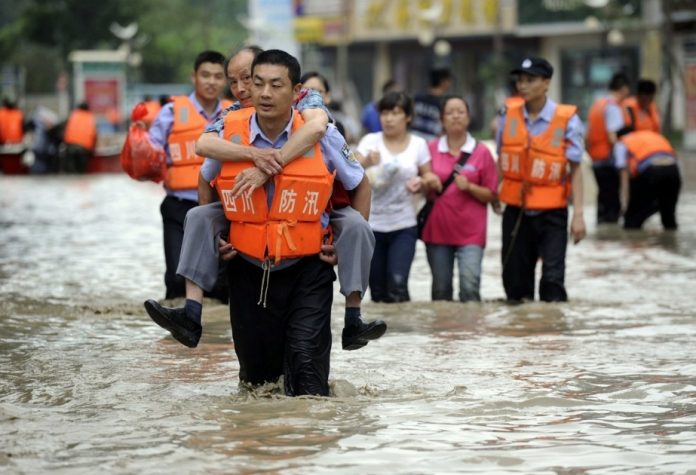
<point>171,32</point>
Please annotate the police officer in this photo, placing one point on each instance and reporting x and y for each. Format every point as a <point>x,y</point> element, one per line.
<point>540,147</point>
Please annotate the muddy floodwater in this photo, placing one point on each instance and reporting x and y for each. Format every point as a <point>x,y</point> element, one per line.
<point>603,384</point>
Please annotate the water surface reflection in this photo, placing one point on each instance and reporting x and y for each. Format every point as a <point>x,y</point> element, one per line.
<point>604,384</point>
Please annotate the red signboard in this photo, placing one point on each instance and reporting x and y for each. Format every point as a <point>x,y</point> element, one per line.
<point>102,95</point>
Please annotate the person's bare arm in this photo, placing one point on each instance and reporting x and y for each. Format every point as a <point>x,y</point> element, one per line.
<point>577,225</point>
<point>481,193</point>
<point>306,136</point>
<point>624,189</point>
<point>206,194</point>
<point>211,145</point>
<point>361,197</point>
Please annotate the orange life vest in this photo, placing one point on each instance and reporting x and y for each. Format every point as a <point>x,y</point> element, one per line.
<point>534,168</point>
<point>81,129</point>
<point>640,119</point>
<point>645,144</point>
<point>597,143</point>
<point>189,124</point>
<point>11,126</point>
<point>291,227</point>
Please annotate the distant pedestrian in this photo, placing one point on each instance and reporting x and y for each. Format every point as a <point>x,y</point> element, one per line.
<point>427,106</point>
<point>650,178</point>
<point>456,226</point>
<point>80,138</point>
<point>604,121</point>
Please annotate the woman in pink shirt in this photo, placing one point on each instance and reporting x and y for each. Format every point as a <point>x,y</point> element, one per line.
<point>456,226</point>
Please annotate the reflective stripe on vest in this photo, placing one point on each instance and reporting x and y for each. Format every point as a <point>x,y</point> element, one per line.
<point>291,227</point>
<point>643,145</point>
<point>535,168</point>
<point>81,129</point>
<point>188,125</point>
<point>640,119</point>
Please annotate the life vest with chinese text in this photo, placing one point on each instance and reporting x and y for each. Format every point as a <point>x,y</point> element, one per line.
<point>189,124</point>
<point>291,227</point>
<point>534,168</point>
<point>81,129</point>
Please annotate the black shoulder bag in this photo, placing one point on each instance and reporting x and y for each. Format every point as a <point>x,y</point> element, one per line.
<point>424,212</point>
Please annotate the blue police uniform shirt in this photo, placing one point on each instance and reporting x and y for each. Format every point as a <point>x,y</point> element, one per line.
<point>162,127</point>
<point>574,135</point>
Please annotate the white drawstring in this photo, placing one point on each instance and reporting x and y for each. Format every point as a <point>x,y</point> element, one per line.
<point>265,280</point>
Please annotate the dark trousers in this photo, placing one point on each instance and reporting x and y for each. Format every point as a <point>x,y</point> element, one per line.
<point>173,212</point>
<point>75,159</point>
<point>654,190</point>
<point>543,235</point>
<point>608,202</point>
<point>291,336</point>
<point>391,265</point>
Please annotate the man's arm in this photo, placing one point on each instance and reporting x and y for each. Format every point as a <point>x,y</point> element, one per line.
<point>270,161</point>
<point>361,197</point>
<point>306,136</point>
<point>206,194</point>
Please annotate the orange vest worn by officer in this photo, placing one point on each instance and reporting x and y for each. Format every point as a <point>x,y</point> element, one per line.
<point>534,168</point>
<point>645,144</point>
<point>11,126</point>
<point>81,129</point>
<point>189,124</point>
<point>640,119</point>
<point>291,227</point>
<point>598,145</point>
<point>153,108</point>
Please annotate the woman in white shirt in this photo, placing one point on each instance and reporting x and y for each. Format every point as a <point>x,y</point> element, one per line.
<point>398,165</point>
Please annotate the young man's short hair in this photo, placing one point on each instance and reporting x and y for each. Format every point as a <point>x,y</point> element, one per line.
<point>280,58</point>
<point>439,75</point>
<point>208,56</point>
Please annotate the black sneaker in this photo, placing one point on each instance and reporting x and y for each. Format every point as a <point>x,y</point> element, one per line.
<point>355,337</point>
<point>183,329</point>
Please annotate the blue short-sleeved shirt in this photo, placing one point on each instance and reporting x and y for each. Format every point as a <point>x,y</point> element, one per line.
<point>575,131</point>
<point>162,127</point>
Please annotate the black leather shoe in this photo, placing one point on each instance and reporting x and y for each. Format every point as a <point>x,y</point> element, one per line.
<point>175,321</point>
<point>355,337</point>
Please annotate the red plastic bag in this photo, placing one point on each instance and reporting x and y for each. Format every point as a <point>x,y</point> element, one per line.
<point>139,158</point>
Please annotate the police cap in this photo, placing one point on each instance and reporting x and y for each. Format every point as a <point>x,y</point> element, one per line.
<point>534,67</point>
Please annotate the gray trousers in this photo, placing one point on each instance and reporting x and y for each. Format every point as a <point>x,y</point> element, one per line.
<point>199,259</point>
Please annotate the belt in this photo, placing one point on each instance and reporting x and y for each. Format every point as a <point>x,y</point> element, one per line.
<point>662,161</point>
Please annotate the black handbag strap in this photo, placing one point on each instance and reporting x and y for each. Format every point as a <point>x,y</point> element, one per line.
<point>457,166</point>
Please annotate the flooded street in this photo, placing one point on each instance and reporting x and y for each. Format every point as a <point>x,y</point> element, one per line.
<point>603,384</point>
